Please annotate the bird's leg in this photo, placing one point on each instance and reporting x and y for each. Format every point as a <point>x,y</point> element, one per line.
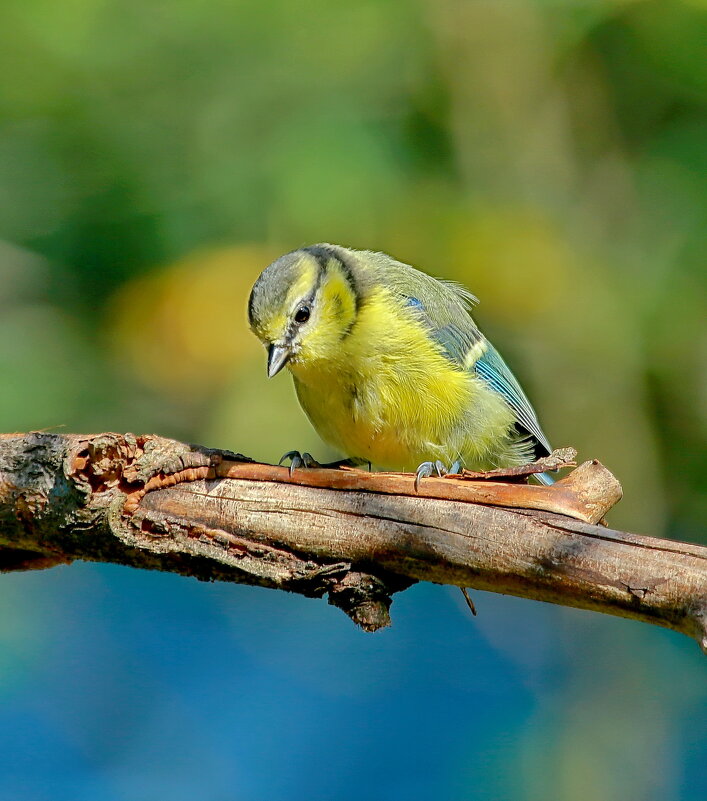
<point>305,459</point>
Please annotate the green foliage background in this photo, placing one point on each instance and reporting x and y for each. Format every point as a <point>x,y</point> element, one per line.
<point>552,156</point>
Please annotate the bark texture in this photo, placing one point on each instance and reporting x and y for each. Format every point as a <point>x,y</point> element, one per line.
<point>357,537</point>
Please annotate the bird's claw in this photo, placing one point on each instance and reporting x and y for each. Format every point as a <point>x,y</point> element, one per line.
<point>298,459</point>
<point>427,469</point>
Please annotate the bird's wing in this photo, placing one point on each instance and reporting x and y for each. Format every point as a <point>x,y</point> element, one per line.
<point>445,307</point>
<point>491,367</point>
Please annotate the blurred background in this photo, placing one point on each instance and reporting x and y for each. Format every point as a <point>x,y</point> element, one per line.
<point>154,157</point>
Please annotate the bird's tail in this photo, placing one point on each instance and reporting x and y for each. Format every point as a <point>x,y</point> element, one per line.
<point>545,478</point>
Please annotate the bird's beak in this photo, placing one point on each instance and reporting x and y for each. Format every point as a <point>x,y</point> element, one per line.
<point>277,359</point>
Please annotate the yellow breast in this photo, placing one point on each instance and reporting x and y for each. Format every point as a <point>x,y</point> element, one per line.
<point>389,396</point>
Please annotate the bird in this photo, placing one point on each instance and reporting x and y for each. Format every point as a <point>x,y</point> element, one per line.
<point>389,365</point>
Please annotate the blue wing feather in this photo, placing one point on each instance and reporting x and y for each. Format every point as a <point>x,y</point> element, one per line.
<point>491,367</point>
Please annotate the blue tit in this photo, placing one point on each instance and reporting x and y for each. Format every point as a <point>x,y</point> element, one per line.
<point>389,365</point>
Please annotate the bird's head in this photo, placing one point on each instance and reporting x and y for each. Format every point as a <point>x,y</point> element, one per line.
<point>304,304</point>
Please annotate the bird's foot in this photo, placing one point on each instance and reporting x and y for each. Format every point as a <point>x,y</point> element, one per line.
<point>427,469</point>
<point>298,460</point>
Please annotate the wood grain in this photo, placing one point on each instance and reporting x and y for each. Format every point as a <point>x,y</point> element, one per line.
<point>353,536</point>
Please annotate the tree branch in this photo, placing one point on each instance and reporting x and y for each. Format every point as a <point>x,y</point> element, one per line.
<point>359,537</point>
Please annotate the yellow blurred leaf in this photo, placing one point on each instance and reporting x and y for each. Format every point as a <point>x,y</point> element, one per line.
<point>187,323</point>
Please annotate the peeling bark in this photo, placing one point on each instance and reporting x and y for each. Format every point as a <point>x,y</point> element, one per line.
<point>357,537</point>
